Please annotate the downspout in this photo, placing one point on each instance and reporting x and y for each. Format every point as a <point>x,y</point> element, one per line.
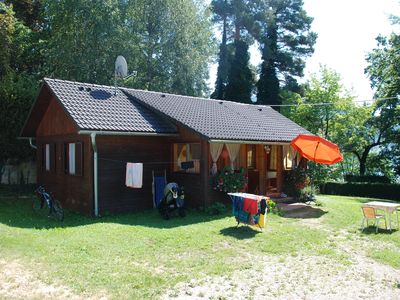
<point>31,144</point>
<point>95,179</point>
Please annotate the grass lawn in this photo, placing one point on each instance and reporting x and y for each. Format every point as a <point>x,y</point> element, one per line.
<point>140,255</point>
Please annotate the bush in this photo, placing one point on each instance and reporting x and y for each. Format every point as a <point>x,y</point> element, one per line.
<point>373,190</point>
<point>308,194</point>
<point>229,181</point>
<point>216,208</point>
<point>366,178</point>
<point>271,207</point>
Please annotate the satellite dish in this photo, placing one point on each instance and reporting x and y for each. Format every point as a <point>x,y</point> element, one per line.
<point>121,67</point>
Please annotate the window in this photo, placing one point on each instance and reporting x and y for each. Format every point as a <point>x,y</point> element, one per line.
<point>48,157</point>
<point>187,158</point>
<point>73,158</point>
<point>273,158</point>
<point>251,156</point>
<point>289,159</point>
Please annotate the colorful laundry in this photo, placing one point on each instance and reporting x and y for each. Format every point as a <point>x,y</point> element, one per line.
<point>249,209</point>
<point>250,206</point>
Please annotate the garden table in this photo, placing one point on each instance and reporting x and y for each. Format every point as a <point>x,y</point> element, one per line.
<point>388,207</point>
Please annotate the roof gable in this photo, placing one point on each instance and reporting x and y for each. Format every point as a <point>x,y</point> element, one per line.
<point>100,108</point>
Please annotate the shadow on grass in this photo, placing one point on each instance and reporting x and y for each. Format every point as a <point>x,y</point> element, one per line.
<point>16,211</point>
<point>372,230</point>
<point>240,232</point>
<point>307,212</point>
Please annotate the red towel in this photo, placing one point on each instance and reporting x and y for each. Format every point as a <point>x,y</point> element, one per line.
<point>250,206</point>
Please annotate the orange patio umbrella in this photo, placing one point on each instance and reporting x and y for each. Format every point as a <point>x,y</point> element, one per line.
<point>317,149</point>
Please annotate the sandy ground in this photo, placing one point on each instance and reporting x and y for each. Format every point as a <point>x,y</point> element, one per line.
<point>299,277</point>
<point>303,277</point>
<point>16,282</point>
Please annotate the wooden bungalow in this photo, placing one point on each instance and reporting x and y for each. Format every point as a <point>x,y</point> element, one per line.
<point>85,134</point>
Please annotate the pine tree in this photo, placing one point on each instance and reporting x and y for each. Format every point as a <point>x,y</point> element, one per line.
<point>222,11</point>
<point>286,40</point>
<point>240,78</point>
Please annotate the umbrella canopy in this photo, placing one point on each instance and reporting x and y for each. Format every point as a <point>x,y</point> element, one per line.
<point>317,149</point>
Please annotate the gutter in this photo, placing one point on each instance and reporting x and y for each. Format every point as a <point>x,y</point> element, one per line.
<point>125,133</point>
<point>249,142</point>
<point>31,144</point>
<point>95,174</point>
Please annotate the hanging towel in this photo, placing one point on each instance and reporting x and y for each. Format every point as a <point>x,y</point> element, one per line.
<point>134,175</point>
<point>250,206</point>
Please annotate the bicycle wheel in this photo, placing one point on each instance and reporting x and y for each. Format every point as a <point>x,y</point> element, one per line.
<point>37,204</point>
<point>57,210</point>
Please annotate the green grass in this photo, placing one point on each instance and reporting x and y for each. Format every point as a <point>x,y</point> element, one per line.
<point>140,255</point>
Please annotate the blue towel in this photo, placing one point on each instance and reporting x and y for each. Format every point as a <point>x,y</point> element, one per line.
<point>159,185</point>
<point>237,203</point>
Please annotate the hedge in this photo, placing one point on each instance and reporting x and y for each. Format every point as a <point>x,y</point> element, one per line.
<point>372,190</point>
<point>367,178</point>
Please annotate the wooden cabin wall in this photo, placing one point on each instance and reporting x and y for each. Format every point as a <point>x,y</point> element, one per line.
<point>75,192</point>
<point>114,152</point>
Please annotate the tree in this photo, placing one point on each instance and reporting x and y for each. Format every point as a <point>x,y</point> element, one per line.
<point>235,79</point>
<point>29,12</point>
<point>17,86</point>
<point>222,11</point>
<point>286,40</point>
<point>168,42</point>
<point>384,74</point>
<point>240,77</point>
<point>325,104</point>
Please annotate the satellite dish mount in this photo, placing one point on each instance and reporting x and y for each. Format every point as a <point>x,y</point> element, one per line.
<point>121,71</point>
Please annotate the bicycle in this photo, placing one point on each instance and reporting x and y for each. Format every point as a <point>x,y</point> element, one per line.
<point>55,209</point>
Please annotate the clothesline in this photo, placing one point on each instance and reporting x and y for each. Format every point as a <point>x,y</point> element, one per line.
<point>145,163</point>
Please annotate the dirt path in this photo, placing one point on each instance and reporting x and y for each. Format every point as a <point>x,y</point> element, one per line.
<point>16,282</point>
<point>303,277</point>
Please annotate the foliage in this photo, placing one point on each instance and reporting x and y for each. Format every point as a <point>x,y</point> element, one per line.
<point>272,207</point>
<point>384,73</point>
<point>308,194</point>
<point>376,190</point>
<point>229,182</point>
<point>17,86</point>
<point>283,30</point>
<point>217,208</point>
<point>355,128</point>
<point>221,11</point>
<point>296,180</point>
<point>240,77</point>
<point>367,178</point>
<point>169,42</point>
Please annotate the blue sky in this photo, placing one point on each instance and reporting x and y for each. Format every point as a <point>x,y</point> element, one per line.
<point>346,33</point>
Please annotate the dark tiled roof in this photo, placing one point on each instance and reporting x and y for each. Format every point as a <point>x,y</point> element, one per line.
<point>95,107</point>
<point>222,120</point>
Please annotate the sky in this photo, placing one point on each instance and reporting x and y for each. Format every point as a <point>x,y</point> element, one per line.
<point>346,33</point>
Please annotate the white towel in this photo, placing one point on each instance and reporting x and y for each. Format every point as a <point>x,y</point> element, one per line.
<point>134,175</point>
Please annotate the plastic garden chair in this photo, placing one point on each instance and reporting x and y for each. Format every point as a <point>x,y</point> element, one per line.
<point>370,214</point>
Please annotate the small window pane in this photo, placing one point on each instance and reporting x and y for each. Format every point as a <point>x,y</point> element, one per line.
<point>47,157</point>
<point>71,159</point>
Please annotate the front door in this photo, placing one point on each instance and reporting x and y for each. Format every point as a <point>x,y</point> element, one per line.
<point>252,172</point>
<point>272,168</point>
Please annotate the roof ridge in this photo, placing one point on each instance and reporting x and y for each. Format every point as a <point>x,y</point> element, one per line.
<point>78,83</point>
<point>154,92</point>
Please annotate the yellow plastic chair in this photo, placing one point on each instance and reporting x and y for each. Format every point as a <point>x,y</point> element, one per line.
<point>370,214</point>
